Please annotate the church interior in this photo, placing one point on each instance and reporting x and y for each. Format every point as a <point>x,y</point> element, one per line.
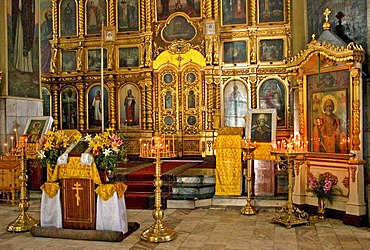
<point>242,115</point>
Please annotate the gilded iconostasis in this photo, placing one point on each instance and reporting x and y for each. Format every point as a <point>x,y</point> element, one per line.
<point>184,68</point>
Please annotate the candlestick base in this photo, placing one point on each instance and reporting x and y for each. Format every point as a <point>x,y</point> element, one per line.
<point>290,218</point>
<point>158,232</point>
<point>248,210</point>
<point>23,223</point>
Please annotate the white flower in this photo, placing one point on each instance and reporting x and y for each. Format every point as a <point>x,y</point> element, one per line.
<point>107,152</point>
<point>87,137</point>
<point>41,154</point>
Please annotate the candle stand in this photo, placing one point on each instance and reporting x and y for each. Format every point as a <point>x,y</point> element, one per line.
<point>158,148</point>
<point>290,215</point>
<point>248,209</point>
<point>24,222</point>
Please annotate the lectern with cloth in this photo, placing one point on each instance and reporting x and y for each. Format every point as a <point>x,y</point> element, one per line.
<point>77,208</point>
<point>228,146</point>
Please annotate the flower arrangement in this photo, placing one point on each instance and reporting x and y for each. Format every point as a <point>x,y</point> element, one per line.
<point>323,186</point>
<point>107,148</point>
<point>53,144</point>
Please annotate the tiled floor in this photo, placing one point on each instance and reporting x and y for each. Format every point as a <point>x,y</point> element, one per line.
<point>204,228</point>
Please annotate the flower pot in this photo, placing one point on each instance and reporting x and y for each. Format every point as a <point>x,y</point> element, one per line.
<point>321,209</point>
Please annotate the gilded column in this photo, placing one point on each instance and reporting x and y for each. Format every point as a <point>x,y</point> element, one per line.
<point>253,13</point>
<point>301,105</point>
<point>355,74</point>
<point>209,103</point>
<point>81,106</point>
<point>111,12</point>
<point>253,83</point>
<point>208,9</point>
<point>217,114</point>
<point>81,18</point>
<point>149,15</point>
<point>112,104</point>
<point>149,104</point>
<point>143,105</point>
<point>216,10</point>
<point>55,92</point>
<point>54,42</point>
<point>288,4</point>
<point>54,9</point>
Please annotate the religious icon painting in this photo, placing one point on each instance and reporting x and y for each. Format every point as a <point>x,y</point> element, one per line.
<point>68,17</point>
<point>271,50</point>
<point>235,104</point>
<point>270,11</point>
<point>94,59</point>
<point>167,7</point>
<point>97,108</point>
<point>272,94</point>
<point>128,15</point>
<point>36,127</point>
<point>69,60</point>
<point>129,114</point>
<point>128,57</point>
<point>96,11</point>
<point>179,28</point>
<point>69,108</point>
<point>234,12</point>
<point>261,125</point>
<point>327,108</point>
<point>235,52</point>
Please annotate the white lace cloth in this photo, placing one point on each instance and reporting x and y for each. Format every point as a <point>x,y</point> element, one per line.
<point>51,211</point>
<point>110,214</point>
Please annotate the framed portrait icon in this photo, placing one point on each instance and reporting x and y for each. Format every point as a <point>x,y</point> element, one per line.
<point>128,57</point>
<point>271,11</point>
<point>271,50</point>
<point>261,125</point>
<point>235,52</point>
<point>36,127</point>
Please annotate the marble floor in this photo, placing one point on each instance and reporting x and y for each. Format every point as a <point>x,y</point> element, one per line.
<point>202,228</point>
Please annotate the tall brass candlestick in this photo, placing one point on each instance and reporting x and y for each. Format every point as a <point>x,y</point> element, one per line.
<point>24,222</point>
<point>290,215</point>
<point>248,209</point>
<point>158,232</point>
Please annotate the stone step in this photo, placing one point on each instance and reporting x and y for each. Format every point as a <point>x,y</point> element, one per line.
<point>193,189</point>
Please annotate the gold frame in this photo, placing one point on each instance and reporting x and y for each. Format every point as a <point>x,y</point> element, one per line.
<point>87,105</point>
<point>47,125</point>
<point>122,100</point>
<point>139,54</point>
<point>272,38</point>
<point>61,61</point>
<point>271,22</point>
<point>61,105</point>
<point>246,52</point>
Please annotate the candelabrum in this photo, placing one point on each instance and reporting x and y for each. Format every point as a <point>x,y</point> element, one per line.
<point>290,150</point>
<point>248,148</point>
<point>24,222</point>
<point>158,147</point>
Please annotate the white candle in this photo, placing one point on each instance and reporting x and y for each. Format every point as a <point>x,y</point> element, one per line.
<point>16,136</point>
<point>12,139</point>
<point>6,147</point>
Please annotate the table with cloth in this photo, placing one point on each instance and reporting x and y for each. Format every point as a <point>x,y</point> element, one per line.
<point>110,204</point>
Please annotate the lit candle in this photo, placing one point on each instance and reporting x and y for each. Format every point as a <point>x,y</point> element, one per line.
<point>6,147</point>
<point>16,136</point>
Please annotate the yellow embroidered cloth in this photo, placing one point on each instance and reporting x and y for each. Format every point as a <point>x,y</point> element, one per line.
<point>74,169</point>
<point>50,188</point>
<point>106,191</point>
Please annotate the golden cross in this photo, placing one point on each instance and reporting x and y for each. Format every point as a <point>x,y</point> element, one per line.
<point>77,187</point>
<point>326,14</point>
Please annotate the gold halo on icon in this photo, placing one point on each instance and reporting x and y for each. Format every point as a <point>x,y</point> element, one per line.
<point>333,98</point>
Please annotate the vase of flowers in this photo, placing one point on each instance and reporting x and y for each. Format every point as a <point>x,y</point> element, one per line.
<point>108,148</point>
<point>324,187</point>
<point>51,146</point>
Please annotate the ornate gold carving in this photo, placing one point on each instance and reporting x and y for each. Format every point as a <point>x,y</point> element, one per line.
<point>345,182</point>
<point>81,106</point>
<point>355,74</point>
<point>54,9</point>
<point>253,13</point>
<point>326,25</point>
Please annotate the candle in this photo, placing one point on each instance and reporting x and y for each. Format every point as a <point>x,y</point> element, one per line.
<point>12,139</point>
<point>6,147</point>
<point>16,136</point>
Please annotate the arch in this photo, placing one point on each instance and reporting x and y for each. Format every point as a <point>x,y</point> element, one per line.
<point>235,103</point>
